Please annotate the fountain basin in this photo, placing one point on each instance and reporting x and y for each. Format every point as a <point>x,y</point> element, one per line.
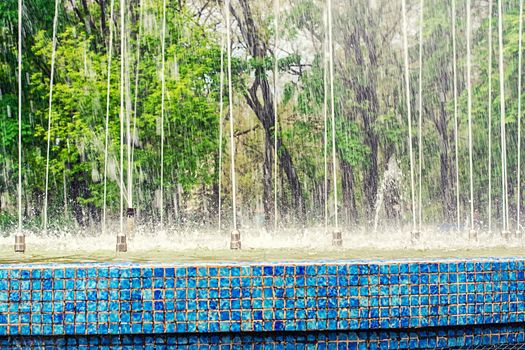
<point>389,303</point>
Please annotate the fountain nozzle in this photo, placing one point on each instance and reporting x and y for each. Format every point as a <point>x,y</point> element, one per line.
<point>122,245</point>
<point>505,234</point>
<point>473,235</point>
<point>518,234</point>
<point>20,243</point>
<point>337,238</point>
<point>415,236</point>
<point>235,240</point>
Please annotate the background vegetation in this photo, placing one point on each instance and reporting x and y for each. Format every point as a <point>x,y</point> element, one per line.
<point>370,109</point>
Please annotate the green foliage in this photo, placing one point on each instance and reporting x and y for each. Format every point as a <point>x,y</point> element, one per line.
<point>369,99</point>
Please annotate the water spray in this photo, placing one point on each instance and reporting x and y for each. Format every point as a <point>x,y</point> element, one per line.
<point>20,242</point>
<point>131,211</point>
<point>325,122</point>
<point>518,233</point>
<point>456,122</point>
<point>221,111</point>
<point>235,239</point>
<point>276,125</point>
<point>163,94</point>
<point>121,236</point>
<point>473,235</point>
<point>489,120</point>
<point>420,125</point>
<point>51,79</point>
<point>106,132</point>
<point>131,144</point>
<point>414,234</point>
<point>337,239</point>
<point>504,195</point>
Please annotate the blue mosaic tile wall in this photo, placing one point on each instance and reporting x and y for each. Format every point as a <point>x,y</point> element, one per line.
<point>341,297</point>
<point>496,337</point>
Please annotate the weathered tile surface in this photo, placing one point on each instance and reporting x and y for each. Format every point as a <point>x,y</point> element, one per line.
<point>342,297</point>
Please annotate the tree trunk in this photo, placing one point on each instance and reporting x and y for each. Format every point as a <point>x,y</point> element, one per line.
<point>444,157</point>
<point>285,160</point>
<point>261,100</point>
<point>267,181</point>
<point>349,203</point>
<point>367,95</point>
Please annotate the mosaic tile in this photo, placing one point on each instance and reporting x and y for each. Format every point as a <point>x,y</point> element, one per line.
<point>364,296</point>
<point>483,337</point>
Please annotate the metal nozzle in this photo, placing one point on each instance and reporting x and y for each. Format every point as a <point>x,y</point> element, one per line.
<point>130,222</point>
<point>337,238</point>
<point>20,243</point>
<point>473,235</point>
<point>235,241</point>
<point>122,246</point>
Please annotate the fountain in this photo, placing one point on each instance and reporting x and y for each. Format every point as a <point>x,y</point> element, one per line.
<point>106,128</point>
<point>235,237</point>
<point>390,186</point>
<point>221,108</point>
<point>20,243</point>
<point>472,232</point>
<point>276,120</point>
<point>504,185</point>
<point>337,239</point>
<point>518,167</point>
<point>51,78</point>
<point>415,235</point>
<point>357,256</point>
<point>420,121</point>
<point>489,122</point>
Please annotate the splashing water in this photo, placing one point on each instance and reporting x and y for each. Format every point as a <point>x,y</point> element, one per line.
<point>504,194</point>
<point>170,244</point>
<point>390,184</point>
<point>230,109</point>
<point>469,111</point>
<point>275,80</point>
<point>409,114</point>
<point>420,121</point>
<point>163,83</point>
<point>489,114</point>
<point>332,108</point>
<point>51,80</point>
<point>86,146</point>
<point>518,166</point>
<point>106,130</point>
